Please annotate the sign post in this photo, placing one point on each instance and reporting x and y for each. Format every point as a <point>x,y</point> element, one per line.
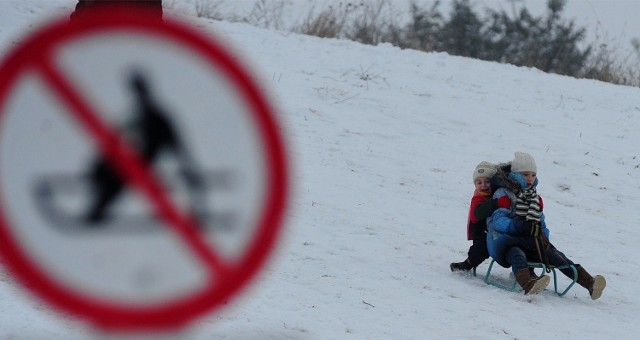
<point>143,177</point>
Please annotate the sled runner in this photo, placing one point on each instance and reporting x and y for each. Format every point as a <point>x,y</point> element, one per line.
<point>61,201</point>
<point>514,286</point>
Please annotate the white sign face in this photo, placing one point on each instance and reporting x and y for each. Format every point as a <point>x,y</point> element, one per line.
<point>139,167</point>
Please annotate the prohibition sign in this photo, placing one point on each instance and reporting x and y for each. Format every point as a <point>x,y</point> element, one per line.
<point>37,60</point>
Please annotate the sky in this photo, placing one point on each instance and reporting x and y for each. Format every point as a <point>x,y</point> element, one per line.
<point>381,145</point>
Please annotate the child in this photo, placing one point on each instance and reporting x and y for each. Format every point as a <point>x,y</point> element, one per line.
<point>478,213</point>
<point>519,232</point>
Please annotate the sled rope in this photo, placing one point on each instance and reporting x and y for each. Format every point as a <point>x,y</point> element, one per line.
<point>541,246</point>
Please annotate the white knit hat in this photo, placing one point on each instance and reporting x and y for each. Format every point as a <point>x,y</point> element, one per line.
<point>484,169</point>
<point>523,162</point>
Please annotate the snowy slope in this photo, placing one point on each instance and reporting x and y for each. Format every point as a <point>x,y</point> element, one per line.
<point>383,142</point>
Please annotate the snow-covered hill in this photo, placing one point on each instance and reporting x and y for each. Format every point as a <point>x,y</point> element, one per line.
<point>383,142</point>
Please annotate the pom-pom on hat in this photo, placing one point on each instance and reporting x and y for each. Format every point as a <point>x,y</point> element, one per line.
<point>522,162</point>
<point>484,169</point>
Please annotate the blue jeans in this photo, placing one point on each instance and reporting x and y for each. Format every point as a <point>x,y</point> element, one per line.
<point>517,257</point>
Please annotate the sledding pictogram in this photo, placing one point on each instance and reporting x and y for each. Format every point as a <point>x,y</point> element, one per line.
<point>143,176</point>
<point>151,133</point>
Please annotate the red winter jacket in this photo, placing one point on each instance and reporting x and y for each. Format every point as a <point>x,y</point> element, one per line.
<point>473,223</point>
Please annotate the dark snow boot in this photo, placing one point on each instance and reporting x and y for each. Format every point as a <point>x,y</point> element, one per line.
<point>595,285</point>
<point>530,285</point>
<point>461,266</point>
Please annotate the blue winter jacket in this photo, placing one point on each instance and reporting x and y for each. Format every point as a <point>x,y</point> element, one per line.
<point>505,230</point>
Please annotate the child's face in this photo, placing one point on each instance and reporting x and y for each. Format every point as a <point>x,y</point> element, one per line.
<point>483,184</point>
<point>529,177</point>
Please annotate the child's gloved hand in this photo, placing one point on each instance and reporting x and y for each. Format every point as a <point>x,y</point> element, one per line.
<point>534,227</point>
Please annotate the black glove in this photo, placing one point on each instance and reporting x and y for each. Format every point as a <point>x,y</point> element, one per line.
<point>534,227</point>
<point>485,209</point>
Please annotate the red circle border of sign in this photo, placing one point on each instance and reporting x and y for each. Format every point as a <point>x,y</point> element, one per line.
<point>173,314</point>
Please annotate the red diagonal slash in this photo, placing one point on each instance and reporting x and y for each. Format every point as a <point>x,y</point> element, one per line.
<point>130,166</point>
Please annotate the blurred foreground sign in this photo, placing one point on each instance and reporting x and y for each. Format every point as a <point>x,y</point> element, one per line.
<point>143,177</point>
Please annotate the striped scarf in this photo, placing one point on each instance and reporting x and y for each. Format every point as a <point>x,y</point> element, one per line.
<point>528,205</point>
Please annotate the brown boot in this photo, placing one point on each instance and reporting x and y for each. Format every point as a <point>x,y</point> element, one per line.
<point>595,285</point>
<point>533,274</point>
<point>531,286</point>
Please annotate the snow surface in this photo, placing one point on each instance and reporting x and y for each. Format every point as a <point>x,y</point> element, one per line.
<point>382,144</point>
